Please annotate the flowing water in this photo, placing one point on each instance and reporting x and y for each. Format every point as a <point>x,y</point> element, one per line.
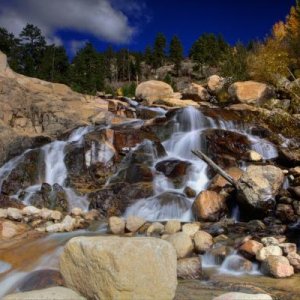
<point>188,127</point>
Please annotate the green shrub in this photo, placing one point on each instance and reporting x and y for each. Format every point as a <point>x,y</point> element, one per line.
<point>128,90</point>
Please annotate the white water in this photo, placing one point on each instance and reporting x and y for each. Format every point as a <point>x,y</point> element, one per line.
<point>187,136</point>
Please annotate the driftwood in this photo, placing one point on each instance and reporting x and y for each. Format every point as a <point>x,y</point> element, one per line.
<point>204,157</point>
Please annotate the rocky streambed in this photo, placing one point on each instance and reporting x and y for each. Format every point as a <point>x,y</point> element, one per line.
<point>137,178</point>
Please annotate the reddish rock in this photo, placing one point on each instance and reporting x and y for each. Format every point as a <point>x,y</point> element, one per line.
<point>250,248</point>
<point>209,206</point>
<point>219,181</point>
<point>277,266</point>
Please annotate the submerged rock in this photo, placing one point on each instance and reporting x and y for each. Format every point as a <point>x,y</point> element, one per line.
<point>115,268</point>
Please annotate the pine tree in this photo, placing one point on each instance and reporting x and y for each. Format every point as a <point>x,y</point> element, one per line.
<point>33,48</point>
<point>109,62</point>
<point>176,53</point>
<point>159,49</point>
<point>148,56</point>
<point>87,70</point>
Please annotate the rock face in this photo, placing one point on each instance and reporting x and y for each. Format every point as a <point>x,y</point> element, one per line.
<point>152,90</point>
<point>196,92</point>
<point>54,293</point>
<point>250,92</point>
<point>33,109</point>
<point>260,184</point>
<point>209,206</point>
<point>120,268</point>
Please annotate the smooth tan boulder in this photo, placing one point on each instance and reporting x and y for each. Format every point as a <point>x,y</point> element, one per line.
<point>155,228</point>
<point>294,259</point>
<point>191,228</point>
<point>209,206</point>
<point>10,229</point>
<point>172,226</point>
<point>134,223</point>
<point>116,225</point>
<point>250,92</point>
<point>196,92</point>
<point>152,90</point>
<point>265,252</point>
<point>54,293</point>
<point>112,267</point>
<point>174,102</point>
<point>182,243</point>
<point>215,83</point>
<point>203,241</point>
<point>277,266</point>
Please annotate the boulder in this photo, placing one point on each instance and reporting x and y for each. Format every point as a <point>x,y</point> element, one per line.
<point>14,214</point>
<point>265,252</point>
<point>215,83</point>
<point>203,241</point>
<point>172,226</point>
<point>189,268</point>
<point>254,156</point>
<point>155,228</point>
<point>191,228</point>
<point>196,92</point>
<point>250,92</point>
<point>243,296</point>
<point>260,184</point>
<point>116,225</point>
<point>182,243</point>
<point>53,293</point>
<point>250,248</point>
<point>152,90</point>
<point>277,266</point>
<point>219,181</point>
<point>173,168</point>
<point>294,259</point>
<point>209,206</point>
<point>134,223</point>
<point>288,248</point>
<point>10,229</point>
<point>237,263</point>
<point>120,268</point>
<point>174,102</point>
<point>270,241</point>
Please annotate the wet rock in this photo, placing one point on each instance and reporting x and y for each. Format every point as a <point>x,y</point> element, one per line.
<point>190,192</point>
<point>265,252</point>
<point>116,225</point>
<point>260,184</point>
<point>92,274</point>
<point>288,248</point>
<point>285,213</point>
<point>25,174</point>
<point>176,103</point>
<point>173,168</point>
<point>172,226</point>
<point>6,202</point>
<point>92,215</point>
<point>250,248</point>
<point>219,253</point>
<point>209,206</point>
<point>294,259</point>
<point>295,191</point>
<point>31,211</point>
<point>254,156</point>
<point>9,229</point>
<point>250,92</point>
<point>134,223</point>
<point>191,228</point>
<point>53,293</point>
<point>155,228</point>
<point>255,226</point>
<point>219,182</point>
<point>77,212</point>
<point>225,147</point>
<point>270,241</point>
<point>189,268</point>
<point>152,90</point>
<point>41,279</point>
<point>239,264</point>
<point>14,214</point>
<point>243,296</point>
<point>114,199</point>
<point>196,92</point>
<point>68,223</point>
<point>277,266</point>
<point>203,241</point>
<point>182,243</point>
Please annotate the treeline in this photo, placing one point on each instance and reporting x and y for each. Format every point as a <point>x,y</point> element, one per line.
<point>271,60</point>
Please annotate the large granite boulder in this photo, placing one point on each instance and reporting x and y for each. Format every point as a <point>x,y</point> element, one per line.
<point>120,268</point>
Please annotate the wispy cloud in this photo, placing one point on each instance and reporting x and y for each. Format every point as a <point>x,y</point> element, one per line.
<point>105,19</point>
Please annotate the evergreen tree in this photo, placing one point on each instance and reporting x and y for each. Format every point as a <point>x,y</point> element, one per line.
<point>54,65</point>
<point>33,48</point>
<point>176,53</point>
<point>208,50</point>
<point>87,70</point>
<point>148,56</point>
<point>159,49</point>
<point>109,61</point>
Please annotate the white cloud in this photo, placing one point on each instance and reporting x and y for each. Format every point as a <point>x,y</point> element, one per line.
<point>105,19</point>
<point>76,45</point>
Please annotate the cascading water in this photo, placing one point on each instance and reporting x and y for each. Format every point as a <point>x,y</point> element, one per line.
<point>188,128</point>
<point>55,170</point>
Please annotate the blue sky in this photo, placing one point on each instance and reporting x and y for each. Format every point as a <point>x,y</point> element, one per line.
<point>134,23</point>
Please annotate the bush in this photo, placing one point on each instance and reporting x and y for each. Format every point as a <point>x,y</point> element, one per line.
<point>128,90</point>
